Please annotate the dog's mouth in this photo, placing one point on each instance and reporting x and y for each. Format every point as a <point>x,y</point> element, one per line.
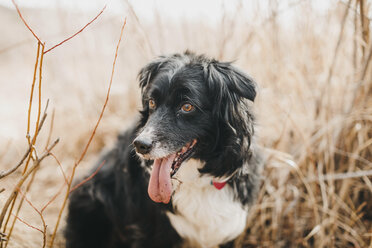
<point>181,156</point>
<point>160,186</point>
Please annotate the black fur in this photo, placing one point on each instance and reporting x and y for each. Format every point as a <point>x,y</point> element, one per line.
<point>113,209</point>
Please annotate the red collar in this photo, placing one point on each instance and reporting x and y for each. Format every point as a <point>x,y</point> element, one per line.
<point>218,185</point>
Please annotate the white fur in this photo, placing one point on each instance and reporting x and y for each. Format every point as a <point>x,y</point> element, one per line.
<point>158,150</point>
<point>204,214</point>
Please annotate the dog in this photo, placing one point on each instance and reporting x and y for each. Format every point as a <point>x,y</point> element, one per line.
<point>186,173</point>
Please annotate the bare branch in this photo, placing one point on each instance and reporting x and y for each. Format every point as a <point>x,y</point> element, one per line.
<point>78,32</point>
<point>90,139</point>
<point>40,214</point>
<point>24,21</point>
<point>10,171</point>
<point>32,94</point>
<point>23,179</point>
<point>88,178</point>
<point>27,224</point>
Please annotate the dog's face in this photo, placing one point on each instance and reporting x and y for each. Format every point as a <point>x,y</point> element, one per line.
<point>192,107</point>
<point>177,112</point>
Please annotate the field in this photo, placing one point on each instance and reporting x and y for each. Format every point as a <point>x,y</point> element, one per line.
<point>314,111</point>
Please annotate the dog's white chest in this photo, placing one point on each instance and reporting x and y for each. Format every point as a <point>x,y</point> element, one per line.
<point>204,214</point>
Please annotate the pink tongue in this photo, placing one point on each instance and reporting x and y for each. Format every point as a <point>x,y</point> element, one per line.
<point>160,186</point>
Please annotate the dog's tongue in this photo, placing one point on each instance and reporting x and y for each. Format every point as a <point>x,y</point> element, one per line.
<point>160,186</point>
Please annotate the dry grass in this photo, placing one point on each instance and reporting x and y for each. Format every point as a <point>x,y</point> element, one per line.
<point>314,112</point>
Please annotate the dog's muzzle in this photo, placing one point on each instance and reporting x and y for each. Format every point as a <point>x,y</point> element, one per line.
<point>143,145</point>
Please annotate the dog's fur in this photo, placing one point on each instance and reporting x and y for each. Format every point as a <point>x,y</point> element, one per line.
<point>114,209</point>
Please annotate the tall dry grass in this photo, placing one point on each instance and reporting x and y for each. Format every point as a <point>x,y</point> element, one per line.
<point>314,110</point>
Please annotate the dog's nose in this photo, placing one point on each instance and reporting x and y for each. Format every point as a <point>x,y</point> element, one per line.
<point>143,146</point>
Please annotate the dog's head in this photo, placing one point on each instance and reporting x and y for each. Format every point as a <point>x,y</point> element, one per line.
<point>193,107</point>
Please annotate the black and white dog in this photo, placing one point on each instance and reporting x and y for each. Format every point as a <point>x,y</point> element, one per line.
<point>187,172</point>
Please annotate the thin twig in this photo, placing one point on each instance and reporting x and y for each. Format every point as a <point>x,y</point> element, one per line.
<point>367,62</point>
<point>88,178</point>
<point>78,32</point>
<point>355,10</point>
<point>2,238</point>
<point>44,116</point>
<point>24,177</point>
<point>24,21</point>
<point>24,222</point>
<point>10,171</point>
<point>39,110</point>
<point>32,94</point>
<point>54,197</point>
<point>39,103</point>
<point>327,85</point>
<point>28,187</point>
<point>107,95</point>
<point>40,214</point>
<point>10,211</point>
<point>337,48</point>
<point>29,184</point>
<point>60,166</point>
<point>365,25</point>
<point>355,44</point>
<point>50,129</point>
<point>20,204</point>
<point>141,29</point>
<point>89,141</point>
<point>341,176</point>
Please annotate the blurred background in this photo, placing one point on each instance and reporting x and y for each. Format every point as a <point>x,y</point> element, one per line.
<point>310,59</point>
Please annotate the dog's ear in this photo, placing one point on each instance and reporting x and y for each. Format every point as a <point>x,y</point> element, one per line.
<point>147,73</point>
<point>230,81</point>
<point>229,89</point>
<point>230,86</point>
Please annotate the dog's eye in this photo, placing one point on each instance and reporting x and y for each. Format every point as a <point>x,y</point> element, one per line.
<point>187,107</point>
<point>152,104</point>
